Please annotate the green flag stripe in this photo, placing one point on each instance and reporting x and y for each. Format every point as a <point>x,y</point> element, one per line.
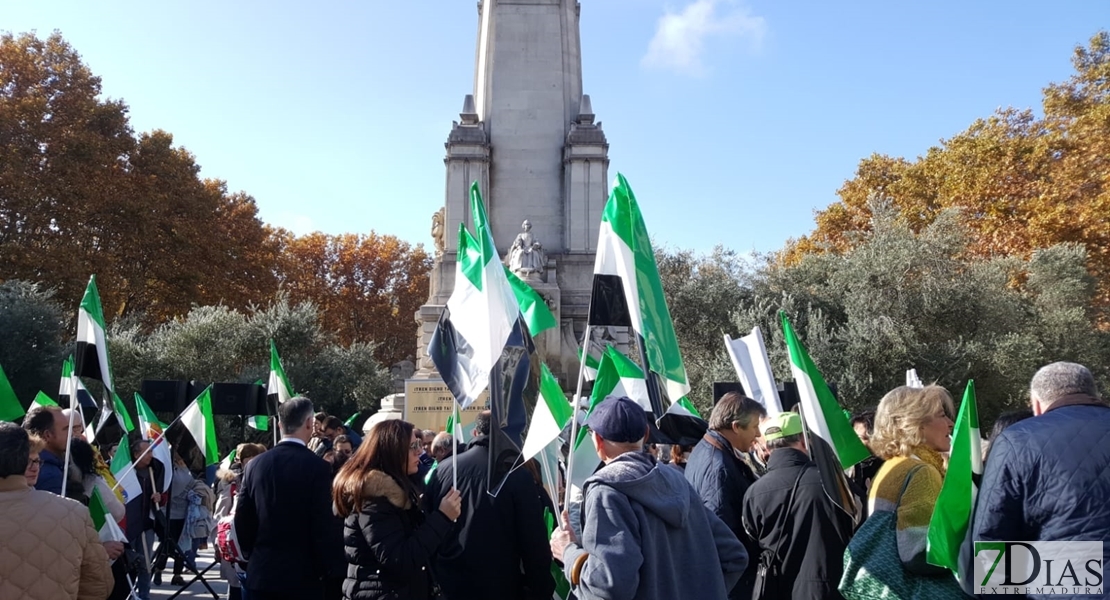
<point>121,410</point>
<point>952,512</point>
<point>537,316</point>
<point>90,303</point>
<point>470,257</point>
<point>553,396</point>
<point>10,408</point>
<point>849,449</point>
<point>623,215</point>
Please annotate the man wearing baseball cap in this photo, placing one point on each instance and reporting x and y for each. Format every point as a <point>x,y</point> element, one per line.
<point>646,534</point>
<point>801,533</point>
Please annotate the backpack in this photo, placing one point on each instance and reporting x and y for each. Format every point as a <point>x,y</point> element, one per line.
<point>227,542</point>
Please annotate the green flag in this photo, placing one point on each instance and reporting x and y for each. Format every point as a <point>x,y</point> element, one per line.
<point>10,408</point>
<point>121,414</point>
<point>102,519</point>
<point>624,250</point>
<point>278,386</point>
<point>953,510</point>
<point>197,418</point>
<point>562,586</point>
<point>124,473</point>
<point>822,413</point>
<point>551,415</point>
<point>92,342</point>
<point>537,316</point>
<point>41,399</point>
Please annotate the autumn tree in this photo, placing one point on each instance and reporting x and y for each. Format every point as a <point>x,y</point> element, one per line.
<point>368,287</point>
<point>81,194</point>
<point>63,160</point>
<point>1021,183</point>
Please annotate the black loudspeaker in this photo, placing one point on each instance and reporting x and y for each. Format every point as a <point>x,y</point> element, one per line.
<point>720,388</point>
<point>166,396</point>
<point>242,399</point>
<point>788,395</point>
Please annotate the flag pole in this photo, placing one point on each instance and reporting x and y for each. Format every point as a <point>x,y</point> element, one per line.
<point>574,423</point>
<point>455,444</point>
<point>69,439</point>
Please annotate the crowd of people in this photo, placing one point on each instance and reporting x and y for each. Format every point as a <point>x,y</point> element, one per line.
<point>743,513</point>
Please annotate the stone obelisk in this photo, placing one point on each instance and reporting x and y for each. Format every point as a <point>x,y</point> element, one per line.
<point>528,136</point>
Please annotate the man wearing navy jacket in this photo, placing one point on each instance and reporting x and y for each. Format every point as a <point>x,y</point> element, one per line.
<point>284,520</point>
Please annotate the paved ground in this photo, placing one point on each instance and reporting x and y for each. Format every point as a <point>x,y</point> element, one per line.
<point>195,589</point>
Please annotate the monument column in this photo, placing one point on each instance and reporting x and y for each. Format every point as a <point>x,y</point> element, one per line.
<point>528,136</point>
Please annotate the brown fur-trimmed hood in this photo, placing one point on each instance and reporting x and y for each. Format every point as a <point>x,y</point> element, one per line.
<point>380,485</point>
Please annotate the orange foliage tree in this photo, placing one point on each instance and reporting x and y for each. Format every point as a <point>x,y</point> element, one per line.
<point>81,194</point>
<point>368,287</point>
<point>1021,182</point>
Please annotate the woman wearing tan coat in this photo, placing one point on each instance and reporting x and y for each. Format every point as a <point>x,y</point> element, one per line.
<point>48,547</point>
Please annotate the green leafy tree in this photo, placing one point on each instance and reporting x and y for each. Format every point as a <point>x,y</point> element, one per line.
<point>903,299</point>
<point>31,350</point>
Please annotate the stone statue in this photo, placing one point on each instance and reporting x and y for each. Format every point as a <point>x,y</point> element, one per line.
<point>438,231</point>
<point>401,371</point>
<point>526,258</point>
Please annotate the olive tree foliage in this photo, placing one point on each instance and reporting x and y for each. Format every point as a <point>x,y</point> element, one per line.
<point>31,348</point>
<point>902,299</point>
<point>915,300</point>
<point>221,344</point>
<point>702,292</point>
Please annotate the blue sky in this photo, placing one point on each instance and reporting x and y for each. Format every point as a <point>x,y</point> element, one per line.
<point>733,120</point>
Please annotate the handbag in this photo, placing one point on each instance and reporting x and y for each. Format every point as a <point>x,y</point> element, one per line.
<point>227,541</point>
<point>873,570</point>
<point>769,568</point>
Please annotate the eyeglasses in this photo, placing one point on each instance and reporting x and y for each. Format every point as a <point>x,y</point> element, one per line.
<point>415,447</point>
<point>34,462</point>
<point>344,452</point>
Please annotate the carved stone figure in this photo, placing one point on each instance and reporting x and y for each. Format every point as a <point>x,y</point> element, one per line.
<point>526,257</point>
<point>438,231</point>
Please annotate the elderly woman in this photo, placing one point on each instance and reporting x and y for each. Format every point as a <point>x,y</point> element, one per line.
<point>912,428</point>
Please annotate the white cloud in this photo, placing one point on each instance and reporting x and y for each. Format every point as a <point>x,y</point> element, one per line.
<point>297,223</point>
<point>680,38</point>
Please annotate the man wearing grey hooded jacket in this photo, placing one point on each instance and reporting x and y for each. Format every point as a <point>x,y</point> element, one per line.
<point>646,534</point>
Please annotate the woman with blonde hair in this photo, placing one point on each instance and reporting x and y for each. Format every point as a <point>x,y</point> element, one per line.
<point>912,429</point>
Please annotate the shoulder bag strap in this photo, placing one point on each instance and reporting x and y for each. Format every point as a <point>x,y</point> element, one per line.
<point>789,507</point>
<point>730,452</point>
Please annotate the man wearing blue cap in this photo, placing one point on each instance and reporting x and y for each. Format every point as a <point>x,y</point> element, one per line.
<point>801,533</point>
<point>646,534</point>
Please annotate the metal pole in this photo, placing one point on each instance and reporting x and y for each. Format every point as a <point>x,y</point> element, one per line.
<point>574,424</point>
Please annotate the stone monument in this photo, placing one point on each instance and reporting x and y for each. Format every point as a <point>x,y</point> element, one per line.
<point>528,136</point>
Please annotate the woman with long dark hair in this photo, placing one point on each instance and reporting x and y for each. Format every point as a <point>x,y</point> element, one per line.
<point>389,541</point>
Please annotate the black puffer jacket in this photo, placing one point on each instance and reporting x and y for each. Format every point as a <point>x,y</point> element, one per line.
<point>390,544</point>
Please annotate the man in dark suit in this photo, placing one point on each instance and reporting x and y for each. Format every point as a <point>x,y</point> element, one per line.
<point>499,546</point>
<point>284,521</point>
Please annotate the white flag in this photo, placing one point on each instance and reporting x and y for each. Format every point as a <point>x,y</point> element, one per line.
<point>749,358</point>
